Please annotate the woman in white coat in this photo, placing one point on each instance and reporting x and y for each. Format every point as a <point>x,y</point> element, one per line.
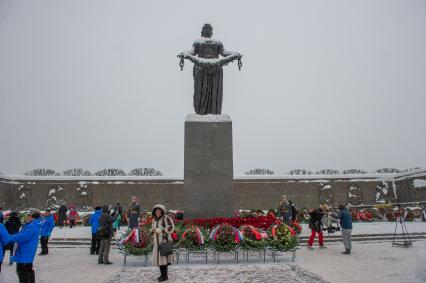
<point>161,230</point>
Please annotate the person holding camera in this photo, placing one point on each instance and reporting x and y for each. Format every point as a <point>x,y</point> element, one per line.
<point>162,229</point>
<point>346,228</point>
<point>47,224</point>
<point>315,224</point>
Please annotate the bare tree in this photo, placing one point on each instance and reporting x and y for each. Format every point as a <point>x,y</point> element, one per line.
<point>388,170</point>
<point>77,172</point>
<point>145,172</point>
<point>110,172</point>
<point>41,172</point>
<point>260,171</point>
<point>328,172</point>
<point>300,172</point>
<point>406,170</point>
<point>354,171</point>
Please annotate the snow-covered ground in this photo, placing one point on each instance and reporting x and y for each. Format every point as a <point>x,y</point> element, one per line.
<point>359,228</point>
<point>371,262</point>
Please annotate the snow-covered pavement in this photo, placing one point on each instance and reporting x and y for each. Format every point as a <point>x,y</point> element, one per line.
<point>370,262</point>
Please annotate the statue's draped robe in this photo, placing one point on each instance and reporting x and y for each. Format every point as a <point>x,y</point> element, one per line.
<point>208,81</point>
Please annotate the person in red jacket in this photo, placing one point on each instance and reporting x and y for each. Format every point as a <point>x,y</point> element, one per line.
<point>73,216</point>
<point>315,224</point>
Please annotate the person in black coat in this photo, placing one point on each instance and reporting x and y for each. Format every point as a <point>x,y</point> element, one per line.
<point>62,215</point>
<point>12,224</point>
<point>105,233</point>
<point>315,224</point>
<point>293,211</point>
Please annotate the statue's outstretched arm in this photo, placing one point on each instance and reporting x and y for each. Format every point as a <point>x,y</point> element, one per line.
<point>189,54</point>
<point>230,56</point>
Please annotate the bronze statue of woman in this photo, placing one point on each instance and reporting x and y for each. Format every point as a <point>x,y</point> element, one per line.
<point>208,56</point>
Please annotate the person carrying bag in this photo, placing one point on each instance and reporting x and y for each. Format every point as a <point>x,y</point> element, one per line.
<point>162,228</point>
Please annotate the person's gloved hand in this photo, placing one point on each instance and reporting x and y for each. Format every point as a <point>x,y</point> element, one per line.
<point>158,230</point>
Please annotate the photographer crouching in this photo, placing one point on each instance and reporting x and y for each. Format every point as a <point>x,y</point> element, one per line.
<point>346,228</point>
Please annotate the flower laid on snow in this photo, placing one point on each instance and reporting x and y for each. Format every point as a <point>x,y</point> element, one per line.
<point>263,222</point>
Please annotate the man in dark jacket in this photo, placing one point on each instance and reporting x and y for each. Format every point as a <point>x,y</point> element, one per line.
<point>134,213</point>
<point>94,222</point>
<point>105,232</point>
<point>346,228</point>
<point>12,224</point>
<point>62,215</point>
<point>27,242</point>
<point>47,225</point>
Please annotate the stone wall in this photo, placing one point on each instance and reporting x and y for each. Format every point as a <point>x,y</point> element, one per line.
<point>249,192</point>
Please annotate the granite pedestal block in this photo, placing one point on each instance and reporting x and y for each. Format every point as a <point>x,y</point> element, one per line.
<point>208,172</point>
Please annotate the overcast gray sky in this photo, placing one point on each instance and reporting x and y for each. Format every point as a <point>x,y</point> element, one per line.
<point>325,84</point>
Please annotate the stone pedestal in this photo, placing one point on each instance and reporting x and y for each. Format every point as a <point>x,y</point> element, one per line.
<point>208,173</point>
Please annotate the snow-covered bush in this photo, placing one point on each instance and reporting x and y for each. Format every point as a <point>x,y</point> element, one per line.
<point>260,171</point>
<point>41,172</point>
<point>77,172</point>
<point>145,172</point>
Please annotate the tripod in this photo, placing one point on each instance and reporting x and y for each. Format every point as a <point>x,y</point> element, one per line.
<point>405,235</point>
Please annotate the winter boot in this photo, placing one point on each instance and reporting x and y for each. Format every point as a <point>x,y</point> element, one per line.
<point>347,252</point>
<point>163,276</point>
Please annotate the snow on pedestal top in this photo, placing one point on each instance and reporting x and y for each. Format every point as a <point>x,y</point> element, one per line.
<point>208,118</point>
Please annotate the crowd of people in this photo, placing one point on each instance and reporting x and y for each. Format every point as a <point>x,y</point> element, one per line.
<point>22,239</point>
<point>287,211</point>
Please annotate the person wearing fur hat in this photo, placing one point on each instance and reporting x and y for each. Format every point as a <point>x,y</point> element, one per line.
<point>161,230</point>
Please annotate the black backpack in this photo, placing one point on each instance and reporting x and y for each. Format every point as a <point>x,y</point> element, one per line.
<point>103,232</point>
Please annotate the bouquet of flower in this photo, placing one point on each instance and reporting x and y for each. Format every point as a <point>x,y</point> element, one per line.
<point>283,238</point>
<point>295,225</point>
<point>192,239</point>
<point>225,238</point>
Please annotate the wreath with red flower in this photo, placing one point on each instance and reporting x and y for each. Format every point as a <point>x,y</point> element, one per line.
<point>192,239</point>
<point>282,238</point>
<point>254,239</point>
<point>136,242</point>
<point>225,238</point>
